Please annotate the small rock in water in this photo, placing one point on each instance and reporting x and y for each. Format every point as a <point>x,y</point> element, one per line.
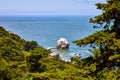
<point>62,43</point>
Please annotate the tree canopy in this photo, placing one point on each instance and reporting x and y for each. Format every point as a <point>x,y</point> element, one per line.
<point>106,42</point>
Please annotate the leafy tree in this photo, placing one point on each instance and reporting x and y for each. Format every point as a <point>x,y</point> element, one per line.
<point>34,57</point>
<point>30,45</point>
<point>105,43</point>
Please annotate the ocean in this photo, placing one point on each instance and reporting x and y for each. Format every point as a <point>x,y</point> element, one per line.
<point>46,30</point>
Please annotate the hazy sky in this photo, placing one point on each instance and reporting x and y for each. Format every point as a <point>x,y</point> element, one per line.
<point>49,7</point>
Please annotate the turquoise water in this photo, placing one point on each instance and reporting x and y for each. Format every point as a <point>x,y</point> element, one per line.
<point>47,30</point>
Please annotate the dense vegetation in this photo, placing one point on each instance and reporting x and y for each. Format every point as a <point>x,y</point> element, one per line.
<point>105,43</point>
<point>27,60</point>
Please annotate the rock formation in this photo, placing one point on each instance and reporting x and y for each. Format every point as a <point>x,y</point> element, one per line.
<point>62,43</point>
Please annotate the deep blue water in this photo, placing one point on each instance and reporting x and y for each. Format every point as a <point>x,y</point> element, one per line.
<point>46,30</point>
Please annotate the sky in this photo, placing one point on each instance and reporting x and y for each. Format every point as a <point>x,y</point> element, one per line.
<point>49,7</point>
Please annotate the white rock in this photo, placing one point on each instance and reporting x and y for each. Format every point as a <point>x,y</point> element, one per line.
<point>62,43</point>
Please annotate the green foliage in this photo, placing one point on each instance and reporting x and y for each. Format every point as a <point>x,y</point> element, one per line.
<point>33,60</point>
<point>105,44</point>
<point>9,49</point>
<point>30,45</point>
<point>17,54</point>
